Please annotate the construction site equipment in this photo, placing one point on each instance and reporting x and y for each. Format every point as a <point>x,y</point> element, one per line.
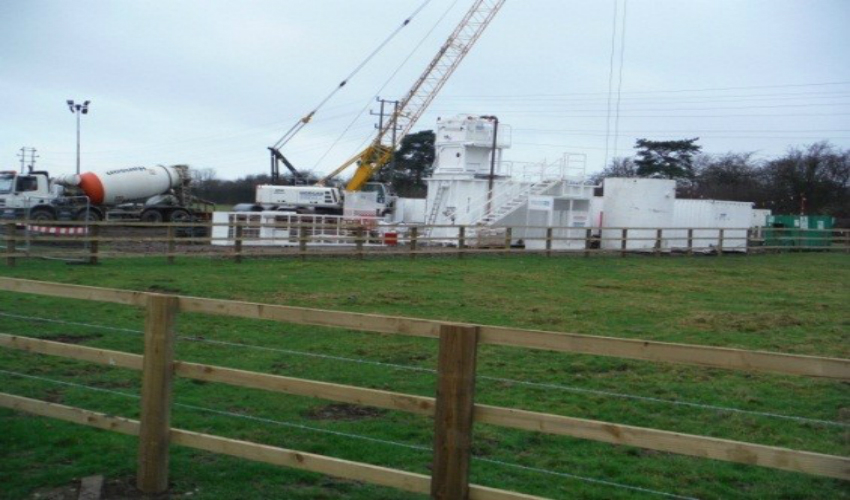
<point>148,194</point>
<point>277,157</point>
<point>420,96</point>
<point>400,123</point>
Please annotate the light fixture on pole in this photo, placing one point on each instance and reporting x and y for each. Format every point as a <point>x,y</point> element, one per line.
<point>78,109</point>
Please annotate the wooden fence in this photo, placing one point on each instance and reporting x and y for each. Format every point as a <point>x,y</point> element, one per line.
<point>89,242</point>
<point>453,409</point>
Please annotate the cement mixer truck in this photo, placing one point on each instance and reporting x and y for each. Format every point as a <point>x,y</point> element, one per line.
<point>147,194</point>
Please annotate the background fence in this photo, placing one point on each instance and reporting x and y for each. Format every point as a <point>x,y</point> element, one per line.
<point>453,409</point>
<point>89,242</point>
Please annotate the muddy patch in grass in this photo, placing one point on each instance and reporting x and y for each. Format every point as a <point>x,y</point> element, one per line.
<point>54,396</point>
<point>343,411</point>
<point>113,489</point>
<point>70,339</point>
<point>741,322</point>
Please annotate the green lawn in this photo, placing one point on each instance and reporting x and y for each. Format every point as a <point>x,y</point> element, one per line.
<point>793,303</point>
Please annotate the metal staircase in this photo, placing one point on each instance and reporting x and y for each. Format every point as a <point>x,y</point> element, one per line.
<point>499,209</point>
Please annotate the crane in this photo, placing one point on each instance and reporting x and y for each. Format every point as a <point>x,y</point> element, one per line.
<point>330,200</point>
<point>417,99</point>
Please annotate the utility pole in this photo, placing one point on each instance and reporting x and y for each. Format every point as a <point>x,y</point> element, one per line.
<point>33,156</point>
<point>394,117</point>
<point>23,156</point>
<point>78,109</point>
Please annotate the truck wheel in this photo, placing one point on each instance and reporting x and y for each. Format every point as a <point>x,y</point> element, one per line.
<point>151,215</point>
<point>90,215</point>
<point>42,215</point>
<point>179,215</point>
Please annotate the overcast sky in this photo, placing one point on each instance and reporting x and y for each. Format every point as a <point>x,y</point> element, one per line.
<point>212,83</point>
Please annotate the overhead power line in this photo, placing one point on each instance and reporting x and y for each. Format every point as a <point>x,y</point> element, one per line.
<point>673,90</point>
<point>620,83</point>
<point>615,17</point>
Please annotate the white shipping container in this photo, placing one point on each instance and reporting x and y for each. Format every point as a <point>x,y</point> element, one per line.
<point>644,204</point>
<point>409,211</point>
<point>734,217</point>
<point>760,216</point>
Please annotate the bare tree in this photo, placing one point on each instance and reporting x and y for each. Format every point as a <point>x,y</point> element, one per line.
<point>813,180</point>
<point>619,167</point>
<point>729,176</point>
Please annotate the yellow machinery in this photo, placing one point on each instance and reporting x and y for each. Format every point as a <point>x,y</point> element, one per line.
<point>426,87</point>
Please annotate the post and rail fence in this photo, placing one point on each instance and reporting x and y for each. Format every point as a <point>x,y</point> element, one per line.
<point>92,241</point>
<point>453,409</point>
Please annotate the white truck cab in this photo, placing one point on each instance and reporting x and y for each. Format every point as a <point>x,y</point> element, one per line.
<point>23,195</point>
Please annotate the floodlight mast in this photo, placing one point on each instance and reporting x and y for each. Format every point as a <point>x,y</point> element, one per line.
<point>420,96</point>
<point>78,109</point>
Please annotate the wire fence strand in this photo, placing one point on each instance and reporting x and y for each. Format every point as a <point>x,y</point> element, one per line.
<point>387,442</point>
<point>525,383</point>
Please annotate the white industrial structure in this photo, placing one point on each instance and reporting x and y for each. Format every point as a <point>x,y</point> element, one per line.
<point>472,186</point>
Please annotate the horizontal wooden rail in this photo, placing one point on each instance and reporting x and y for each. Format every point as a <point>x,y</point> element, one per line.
<point>316,317</point>
<point>81,292</point>
<point>275,383</point>
<point>336,467</point>
<point>293,252</point>
<point>607,432</point>
<point>352,225</point>
<point>353,240</point>
<point>668,352</point>
<point>706,356</point>
<point>726,450</point>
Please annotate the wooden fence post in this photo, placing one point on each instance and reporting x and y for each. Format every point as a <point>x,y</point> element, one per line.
<point>11,244</point>
<point>720,243</point>
<point>587,235</point>
<point>94,243</point>
<point>461,241</point>
<point>360,235</point>
<point>508,239</point>
<point>690,241</point>
<point>302,242</point>
<point>237,245</point>
<point>548,242</point>
<point>454,412</point>
<point>158,365</point>
<point>747,239</point>
<point>624,242</point>
<point>658,233</point>
<point>414,234</point>
<point>172,245</point>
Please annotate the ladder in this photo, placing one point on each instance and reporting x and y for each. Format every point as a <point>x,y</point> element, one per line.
<point>435,208</point>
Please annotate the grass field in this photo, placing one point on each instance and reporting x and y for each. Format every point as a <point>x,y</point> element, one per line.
<point>796,303</point>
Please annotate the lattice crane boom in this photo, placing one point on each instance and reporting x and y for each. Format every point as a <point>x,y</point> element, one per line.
<point>419,97</point>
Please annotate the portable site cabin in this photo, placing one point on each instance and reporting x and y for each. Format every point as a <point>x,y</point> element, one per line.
<point>802,231</point>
